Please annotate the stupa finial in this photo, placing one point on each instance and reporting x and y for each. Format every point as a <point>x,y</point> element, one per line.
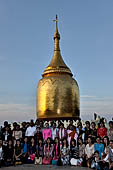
<point>56,20</point>
<point>56,34</point>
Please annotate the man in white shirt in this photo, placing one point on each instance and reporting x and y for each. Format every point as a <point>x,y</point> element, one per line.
<point>31,130</point>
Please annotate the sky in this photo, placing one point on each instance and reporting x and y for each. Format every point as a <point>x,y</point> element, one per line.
<point>26,48</point>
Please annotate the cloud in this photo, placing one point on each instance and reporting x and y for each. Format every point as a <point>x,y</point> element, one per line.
<point>102,106</point>
<point>17,112</point>
<point>87,96</point>
<point>88,106</point>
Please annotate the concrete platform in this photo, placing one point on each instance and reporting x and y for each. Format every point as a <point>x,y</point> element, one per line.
<point>43,167</point>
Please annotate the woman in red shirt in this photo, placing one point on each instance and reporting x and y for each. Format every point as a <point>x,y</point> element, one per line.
<point>102,130</point>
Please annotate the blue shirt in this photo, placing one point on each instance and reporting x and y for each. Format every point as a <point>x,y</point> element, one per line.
<point>99,147</point>
<point>25,148</point>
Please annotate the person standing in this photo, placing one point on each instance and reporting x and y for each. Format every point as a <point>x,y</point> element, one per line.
<point>62,132</point>
<point>110,131</point>
<point>54,130</point>
<point>101,130</point>
<point>31,130</point>
<point>46,132</point>
<point>1,152</point>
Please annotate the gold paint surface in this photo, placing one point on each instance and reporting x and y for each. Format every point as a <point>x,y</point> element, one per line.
<point>57,92</point>
<point>58,96</point>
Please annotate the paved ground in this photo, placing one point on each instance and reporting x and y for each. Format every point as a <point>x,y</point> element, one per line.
<point>43,167</point>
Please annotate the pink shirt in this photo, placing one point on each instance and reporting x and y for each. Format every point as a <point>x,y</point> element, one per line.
<point>46,133</point>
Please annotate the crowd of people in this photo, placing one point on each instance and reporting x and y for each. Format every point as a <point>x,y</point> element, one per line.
<point>46,143</point>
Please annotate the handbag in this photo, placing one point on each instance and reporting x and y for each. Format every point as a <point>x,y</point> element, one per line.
<point>47,160</point>
<point>32,156</point>
<point>38,160</point>
<point>54,162</point>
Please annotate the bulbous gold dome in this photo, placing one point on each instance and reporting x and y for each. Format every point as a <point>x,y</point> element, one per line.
<point>57,92</point>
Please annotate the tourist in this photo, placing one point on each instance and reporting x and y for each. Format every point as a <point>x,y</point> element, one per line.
<point>56,151</point>
<point>39,152</point>
<point>110,130</point>
<point>80,131</point>
<point>23,129</point>
<point>96,162</point>
<point>74,153</point>
<point>31,151</point>
<point>99,146</point>
<point>71,134</point>
<point>48,149</point>
<point>106,144</point>
<point>89,151</point>
<point>101,130</point>
<point>93,133</point>
<point>31,130</point>
<point>38,135</point>
<point>14,126</point>
<point>37,123</point>
<point>18,153</point>
<point>8,154</point>
<point>87,131</point>
<point>6,135</point>
<point>41,125</point>
<point>25,150</point>
<point>54,131</point>
<point>70,124</point>
<point>1,152</point>
<point>62,132</point>
<point>17,134</point>
<point>104,155</point>
<point>56,145</point>
<point>111,155</point>
<point>5,125</point>
<point>81,147</point>
<point>46,132</point>
<point>64,152</point>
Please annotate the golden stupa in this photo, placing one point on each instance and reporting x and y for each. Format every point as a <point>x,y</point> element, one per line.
<point>57,92</point>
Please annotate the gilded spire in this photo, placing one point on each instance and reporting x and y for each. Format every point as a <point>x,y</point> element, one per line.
<point>56,36</point>
<point>56,20</point>
<point>57,64</point>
